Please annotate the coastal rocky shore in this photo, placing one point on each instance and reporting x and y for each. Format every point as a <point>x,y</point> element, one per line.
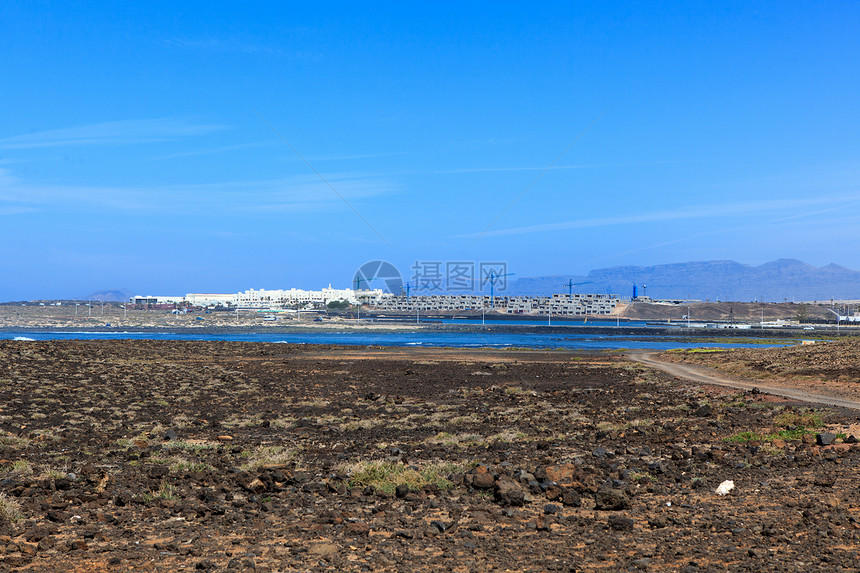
<point>227,456</point>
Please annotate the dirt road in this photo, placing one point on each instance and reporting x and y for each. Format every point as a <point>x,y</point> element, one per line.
<point>706,375</point>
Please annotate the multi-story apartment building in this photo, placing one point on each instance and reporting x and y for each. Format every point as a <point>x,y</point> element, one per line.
<point>557,304</point>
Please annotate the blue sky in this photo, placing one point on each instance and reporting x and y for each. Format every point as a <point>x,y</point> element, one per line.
<point>148,146</point>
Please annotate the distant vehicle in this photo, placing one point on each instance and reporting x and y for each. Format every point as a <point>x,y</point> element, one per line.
<point>198,318</point>
<point>808,328</point>
<point>318,319</point>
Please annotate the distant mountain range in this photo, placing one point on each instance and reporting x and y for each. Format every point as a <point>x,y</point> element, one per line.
<point>115,295</point>
<point>776,281</point>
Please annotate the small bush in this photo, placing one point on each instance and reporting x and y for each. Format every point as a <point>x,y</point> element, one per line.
<point>386,476</point>
<point>52,473</point>
<point>8,439</point>
<point>195,446</point>
<point>808,419</point>
<point>448,439</point>
<point>166,491</point>
<point>745,438</point>
<point>267,455</point>
<point>182,465</point>
<point>19,467</point>
<point>10,510</point>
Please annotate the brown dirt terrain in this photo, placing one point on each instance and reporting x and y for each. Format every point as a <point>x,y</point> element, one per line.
<point>142,455</point>
<point>831,367</point>
<point>739,311</point>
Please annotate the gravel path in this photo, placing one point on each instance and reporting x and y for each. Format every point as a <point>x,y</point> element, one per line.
<point>706,375</point>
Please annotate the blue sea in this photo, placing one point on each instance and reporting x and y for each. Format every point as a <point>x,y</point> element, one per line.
<point>572,341</point>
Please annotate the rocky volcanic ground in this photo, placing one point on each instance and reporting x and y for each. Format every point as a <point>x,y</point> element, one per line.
<point>140,455</point>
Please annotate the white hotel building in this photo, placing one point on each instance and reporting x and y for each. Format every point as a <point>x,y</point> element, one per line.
<point>263,299</point>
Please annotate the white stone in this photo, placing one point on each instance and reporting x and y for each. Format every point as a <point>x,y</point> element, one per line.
<point>725,487</point>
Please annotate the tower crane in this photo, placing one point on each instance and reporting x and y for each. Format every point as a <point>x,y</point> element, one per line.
<point>570,284</point>
<point>492,278</point>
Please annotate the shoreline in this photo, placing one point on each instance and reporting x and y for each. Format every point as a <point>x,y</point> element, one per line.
<point>650,333</point>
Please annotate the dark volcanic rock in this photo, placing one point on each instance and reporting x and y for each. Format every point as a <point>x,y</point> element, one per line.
<point>509,492</point>
<point>704,411</point>
<point>610,498</point>
<point>494,464</point>
<point>620,523</point>
<point>483,480</point>
<point>401,491</point>
<point>571,498</point>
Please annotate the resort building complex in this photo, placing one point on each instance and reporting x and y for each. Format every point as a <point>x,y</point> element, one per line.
<point>379,301</point>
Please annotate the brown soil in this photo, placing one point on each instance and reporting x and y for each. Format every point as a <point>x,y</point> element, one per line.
<point>706,375</point>
<point>235,456</point>
<point>739,311</point>
<point>827,367</point>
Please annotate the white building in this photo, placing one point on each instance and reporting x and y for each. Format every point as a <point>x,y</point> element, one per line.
<point>270,299</point>
<point>202,299</point>
<point>150,299</point>
<point>263,298</point>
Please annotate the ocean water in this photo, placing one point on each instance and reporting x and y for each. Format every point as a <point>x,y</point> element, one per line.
<point>544,322</point>
<point>573,341</point>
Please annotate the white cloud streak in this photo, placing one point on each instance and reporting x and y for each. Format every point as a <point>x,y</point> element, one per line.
<point>512,169</point>
<point>836,206</point>
<point>560,167</point>
<point>212,151</point>
<point>305,193</point>
<point>711,211</point>
<point>111,132</point>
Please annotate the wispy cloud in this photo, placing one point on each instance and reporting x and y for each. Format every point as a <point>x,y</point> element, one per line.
<point>240,146</point>
<point>4,210</point>
<point>833,206</point>
<point>510,169</point>
<point>710,211</point>
<point>112,132</point>
<point>304,193</point>
<point>211,151</point>
<point>355,156</point>
<point>506,169</point>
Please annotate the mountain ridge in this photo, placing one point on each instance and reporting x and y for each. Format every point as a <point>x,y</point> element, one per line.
<point>777,280</point>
